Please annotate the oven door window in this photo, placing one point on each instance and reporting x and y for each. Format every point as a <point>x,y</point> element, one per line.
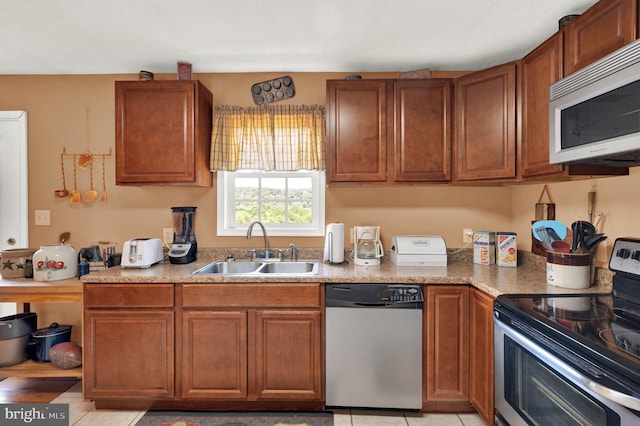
<point>542,397</point>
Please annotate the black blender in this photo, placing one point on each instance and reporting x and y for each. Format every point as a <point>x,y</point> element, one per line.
<point>184,246</point>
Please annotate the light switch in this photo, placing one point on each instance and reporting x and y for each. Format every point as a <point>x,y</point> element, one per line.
<point>43,217</point>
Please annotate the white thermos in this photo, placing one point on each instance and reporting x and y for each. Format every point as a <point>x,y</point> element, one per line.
<point>334,243</point>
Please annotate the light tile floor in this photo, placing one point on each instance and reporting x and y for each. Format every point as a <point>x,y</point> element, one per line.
<point>83,413</point>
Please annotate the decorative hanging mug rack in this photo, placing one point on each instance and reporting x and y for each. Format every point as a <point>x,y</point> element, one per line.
<point>82,160</point>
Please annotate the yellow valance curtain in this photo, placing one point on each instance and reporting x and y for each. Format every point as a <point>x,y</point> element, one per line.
<point>270,138</point>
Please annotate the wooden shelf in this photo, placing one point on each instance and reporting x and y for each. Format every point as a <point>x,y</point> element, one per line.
<point>22,290</point>
<point>38,369</point>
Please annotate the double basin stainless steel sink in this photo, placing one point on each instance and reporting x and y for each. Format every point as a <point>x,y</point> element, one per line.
<point>260,268</point>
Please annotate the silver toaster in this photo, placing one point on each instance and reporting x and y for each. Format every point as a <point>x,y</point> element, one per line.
<point>141,253</point>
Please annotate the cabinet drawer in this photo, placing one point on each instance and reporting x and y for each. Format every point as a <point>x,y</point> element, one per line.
<point>128,295</point>
<point>251,295</point>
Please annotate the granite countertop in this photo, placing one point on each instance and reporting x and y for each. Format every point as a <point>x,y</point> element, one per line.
<point>528,277</point>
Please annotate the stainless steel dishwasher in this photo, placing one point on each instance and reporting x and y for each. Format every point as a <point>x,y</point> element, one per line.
<point>374,345</point>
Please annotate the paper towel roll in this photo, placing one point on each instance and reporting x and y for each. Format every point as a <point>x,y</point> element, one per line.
<point>334,243</point>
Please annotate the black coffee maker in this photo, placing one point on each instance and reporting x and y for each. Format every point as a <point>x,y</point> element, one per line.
<point>184,246</point>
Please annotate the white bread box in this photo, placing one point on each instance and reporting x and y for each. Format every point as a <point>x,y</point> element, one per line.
<point>418,250</point>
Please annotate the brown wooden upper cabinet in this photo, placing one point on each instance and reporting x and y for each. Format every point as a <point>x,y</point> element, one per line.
<point>163,133</point>
<point>389,131</point>
<point>605,27</point>
<point>485,125</point>
<point>541,68</point>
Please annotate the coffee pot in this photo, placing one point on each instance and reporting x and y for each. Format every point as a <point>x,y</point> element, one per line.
<point>367,245</point>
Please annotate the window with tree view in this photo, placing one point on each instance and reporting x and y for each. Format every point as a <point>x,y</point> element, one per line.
<point>270,163</point>
<point>287,203</point>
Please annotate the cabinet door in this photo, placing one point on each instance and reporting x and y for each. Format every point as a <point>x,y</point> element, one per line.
<point>163,129</point>
<point>485,130</point>
<point>422,141</point>
<point>214,354</point>
<point>356,117</point>
<point>481,350</point>
<point>128,354</point>
<point>540,68</point>
<point>604,28</point>
<point>447,347</point>
<point>288,355</point>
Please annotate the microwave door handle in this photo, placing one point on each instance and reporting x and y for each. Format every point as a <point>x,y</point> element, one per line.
<point>615,396</point>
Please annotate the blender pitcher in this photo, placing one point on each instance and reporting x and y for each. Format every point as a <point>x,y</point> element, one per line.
<point>184,246</point>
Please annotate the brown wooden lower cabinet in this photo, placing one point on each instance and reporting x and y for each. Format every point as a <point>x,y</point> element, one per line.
<point>129,354</point>
<point>129,341</point>
<point>218,346</point>
<point>458,350</point>
<point>214,354</point>
<point>288,355</point>
<point>260,346</point>
<point>446,355</point>
<point>481,354</point>
<point>286,361</point>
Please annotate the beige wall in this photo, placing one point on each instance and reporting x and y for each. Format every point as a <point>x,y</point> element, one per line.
<point>57,105</point>
<point>617,197</point>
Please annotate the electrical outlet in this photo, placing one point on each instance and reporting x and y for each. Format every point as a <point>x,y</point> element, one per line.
<point>467,235</point>
<point>43,218</point>
<point>167,235</point>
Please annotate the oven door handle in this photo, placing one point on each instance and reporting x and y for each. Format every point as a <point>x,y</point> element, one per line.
<point>614,395</point>
<point>564,368</point>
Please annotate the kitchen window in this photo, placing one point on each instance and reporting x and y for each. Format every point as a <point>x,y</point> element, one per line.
<point>270,162</point>
<point>287,203</point>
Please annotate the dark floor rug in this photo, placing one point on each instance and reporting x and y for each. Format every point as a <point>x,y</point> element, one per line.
<point>208,418</point>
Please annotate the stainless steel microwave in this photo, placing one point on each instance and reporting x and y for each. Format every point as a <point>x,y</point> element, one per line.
<point>594,113</point>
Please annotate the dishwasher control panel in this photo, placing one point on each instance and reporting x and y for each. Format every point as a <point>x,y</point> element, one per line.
<point>401,296</point>
<point>401,293</point>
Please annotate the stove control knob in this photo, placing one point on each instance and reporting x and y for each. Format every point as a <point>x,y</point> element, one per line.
<point>636,255</point>
<point>623,253</point>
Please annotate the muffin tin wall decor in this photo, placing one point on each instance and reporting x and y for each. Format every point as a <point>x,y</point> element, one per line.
<point>274,90</point>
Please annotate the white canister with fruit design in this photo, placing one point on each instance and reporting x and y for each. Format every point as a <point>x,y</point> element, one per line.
<point>55,262</point>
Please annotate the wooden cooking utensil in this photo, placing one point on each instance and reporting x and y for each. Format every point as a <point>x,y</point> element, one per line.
<point>84,159</point>
<point>91,195</point>
<point>62,192</point>
<point>74,196</point>
<point>103,196</point>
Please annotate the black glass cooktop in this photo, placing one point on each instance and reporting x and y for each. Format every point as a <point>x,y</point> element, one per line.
<point>596,326</point>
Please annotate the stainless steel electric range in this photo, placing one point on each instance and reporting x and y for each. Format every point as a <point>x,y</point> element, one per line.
<point>572,359</point>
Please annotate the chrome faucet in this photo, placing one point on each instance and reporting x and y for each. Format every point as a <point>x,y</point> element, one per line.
<point>264,233</point>
<point>294,252</point>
